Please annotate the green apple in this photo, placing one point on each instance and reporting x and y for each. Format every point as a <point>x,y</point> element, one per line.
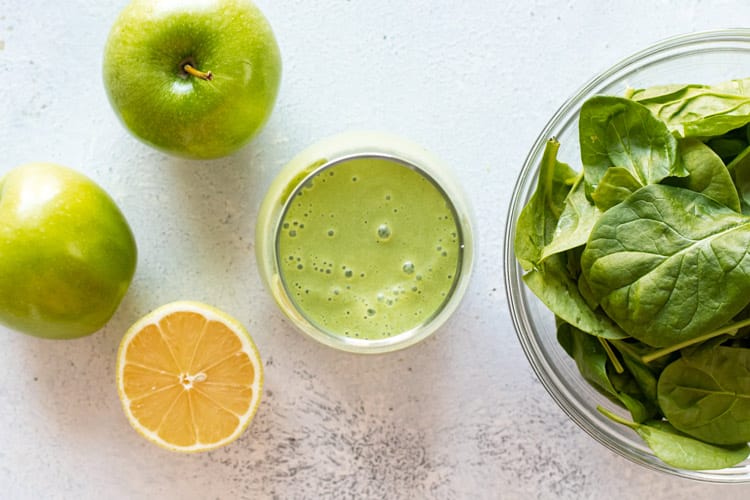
<point>194,78</point>
<point>67,254</point>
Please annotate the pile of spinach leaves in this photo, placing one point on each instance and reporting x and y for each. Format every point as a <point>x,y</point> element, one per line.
<point>643,257</point>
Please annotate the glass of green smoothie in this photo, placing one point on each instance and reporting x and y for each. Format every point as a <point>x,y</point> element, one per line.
<point>365,242</point>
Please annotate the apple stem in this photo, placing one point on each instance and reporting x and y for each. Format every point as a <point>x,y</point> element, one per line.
<point>204,75</point>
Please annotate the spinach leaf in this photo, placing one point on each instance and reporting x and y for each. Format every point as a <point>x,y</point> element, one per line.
<point>585,290</point>
<point>538,219</point>
<point>740,169</point>
<point>575,223</point>
<point>573,262</point>
<point>593,363</point>
<point>629,392</point>
<point>616,185</point>
<point>645,378</point>
<point>669,264</point>
<point>707,174</point>
<point>559,292</point>
<point>727,148</point>
<point>699,110</point>
<point>678,450</point>
<point>637,350</point>
<point>618,132</point>
<point>706,394</point>
<point>587,353</point>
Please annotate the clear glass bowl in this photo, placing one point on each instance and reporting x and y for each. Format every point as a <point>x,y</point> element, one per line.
<point>707,57</point>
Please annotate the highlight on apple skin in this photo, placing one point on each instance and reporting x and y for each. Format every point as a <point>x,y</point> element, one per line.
<point>67,253</point>
<point>193,78</point>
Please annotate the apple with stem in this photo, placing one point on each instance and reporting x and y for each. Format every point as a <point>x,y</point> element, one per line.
<point>194,78</point>
<point>67,254</point>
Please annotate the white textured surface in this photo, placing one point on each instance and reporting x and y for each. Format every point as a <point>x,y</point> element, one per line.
<point>459,416</point>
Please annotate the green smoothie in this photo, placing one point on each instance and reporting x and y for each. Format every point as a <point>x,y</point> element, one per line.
<point>369,248</point>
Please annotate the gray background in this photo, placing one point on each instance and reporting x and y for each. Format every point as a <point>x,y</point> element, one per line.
<point>458,416</point>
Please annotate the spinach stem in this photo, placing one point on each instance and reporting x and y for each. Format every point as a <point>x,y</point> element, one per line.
<point>625,349</point>
<point>730,329</point>
<point>616,418</point>
<point>611,355</point>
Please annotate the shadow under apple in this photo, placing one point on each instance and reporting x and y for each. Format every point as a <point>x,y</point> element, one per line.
<point>68,386</point>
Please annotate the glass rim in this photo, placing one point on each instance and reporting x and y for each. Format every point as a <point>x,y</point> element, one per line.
<point>441,313</point>
<point>543,369</point>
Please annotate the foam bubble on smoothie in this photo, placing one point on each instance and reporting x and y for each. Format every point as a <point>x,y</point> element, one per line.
<point>384,232</point>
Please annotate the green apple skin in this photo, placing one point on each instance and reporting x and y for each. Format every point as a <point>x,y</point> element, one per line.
<point>181,114</point>
<point>67,254</point>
